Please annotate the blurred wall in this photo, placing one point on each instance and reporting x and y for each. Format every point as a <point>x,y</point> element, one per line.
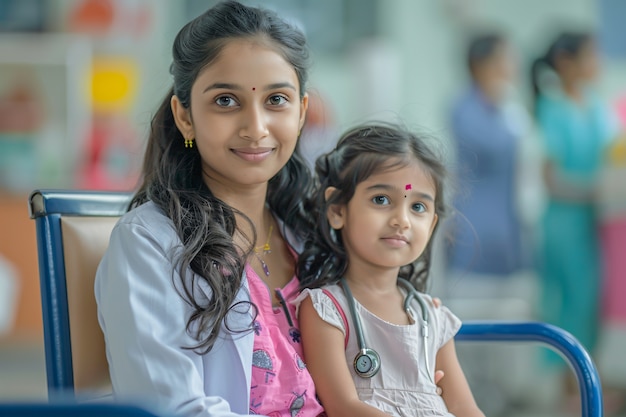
<point>417,55</point>
<point>424,43</point>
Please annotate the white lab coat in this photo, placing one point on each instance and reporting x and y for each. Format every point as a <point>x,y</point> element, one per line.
<point>144,320</point>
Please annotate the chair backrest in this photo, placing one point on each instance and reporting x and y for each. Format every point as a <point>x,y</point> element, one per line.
<point>73,229</point>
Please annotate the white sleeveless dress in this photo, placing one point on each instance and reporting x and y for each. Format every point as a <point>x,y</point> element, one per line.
<point>402,386</point>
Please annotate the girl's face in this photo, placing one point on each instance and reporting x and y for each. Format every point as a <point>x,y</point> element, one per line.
<point>246,114</point>
<point>390,219</point>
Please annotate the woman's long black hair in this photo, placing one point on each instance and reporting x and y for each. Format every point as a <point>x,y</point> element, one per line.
<point>360,153</point>
<point>172,176</point>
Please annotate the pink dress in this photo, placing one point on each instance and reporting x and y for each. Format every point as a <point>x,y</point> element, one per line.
<point>281,385</point>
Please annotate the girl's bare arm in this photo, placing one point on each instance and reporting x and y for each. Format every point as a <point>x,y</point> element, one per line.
<point>456,390</point>
<point>324,354</point>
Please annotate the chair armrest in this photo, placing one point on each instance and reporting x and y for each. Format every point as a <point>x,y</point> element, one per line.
<point>555,337</point>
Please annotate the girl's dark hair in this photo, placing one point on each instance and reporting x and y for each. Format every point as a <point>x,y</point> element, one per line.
<point>567,43</point>
<point>481,48</point>
<point>360,153</point>
<point>172,176</point>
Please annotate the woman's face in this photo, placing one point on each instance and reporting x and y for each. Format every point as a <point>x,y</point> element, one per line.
<point>587,62</point>
<point>499,70</point>
<point>502,63</point>
<point>581,67</point>
<point>246,114</point>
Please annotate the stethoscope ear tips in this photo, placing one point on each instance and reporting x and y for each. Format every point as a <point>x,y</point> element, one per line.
<point>367,363</point>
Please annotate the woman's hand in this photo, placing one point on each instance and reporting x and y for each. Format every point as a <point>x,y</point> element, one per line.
<point>438,376</point>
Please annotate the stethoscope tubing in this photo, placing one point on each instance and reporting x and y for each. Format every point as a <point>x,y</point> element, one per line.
<point>412,293</point>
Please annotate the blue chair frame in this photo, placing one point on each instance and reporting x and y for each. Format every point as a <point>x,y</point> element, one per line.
<point>71,410</point>
<point>558,339</point>
<point>48,206</point>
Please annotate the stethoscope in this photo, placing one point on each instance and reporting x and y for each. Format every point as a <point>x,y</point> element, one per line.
<point>367,361</point>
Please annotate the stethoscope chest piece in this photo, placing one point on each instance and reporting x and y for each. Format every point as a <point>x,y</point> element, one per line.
<point>367,363</point>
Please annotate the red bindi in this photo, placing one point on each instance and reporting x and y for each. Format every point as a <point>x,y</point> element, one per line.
<point>253,88</point>
<point>407,187</point>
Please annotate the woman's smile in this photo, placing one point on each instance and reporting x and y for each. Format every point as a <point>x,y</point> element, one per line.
<point>253,154</point>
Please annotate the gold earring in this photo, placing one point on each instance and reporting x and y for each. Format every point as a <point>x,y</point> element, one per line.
<point>189,143</point>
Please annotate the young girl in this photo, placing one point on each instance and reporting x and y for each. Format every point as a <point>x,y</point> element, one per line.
<point>190,290</point>
<point>371,341</point>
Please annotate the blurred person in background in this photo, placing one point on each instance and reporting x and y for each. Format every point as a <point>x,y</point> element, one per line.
<point>488,128</point>
<point>497,203</point>
<point>576,127</point>
<point>319,134</point>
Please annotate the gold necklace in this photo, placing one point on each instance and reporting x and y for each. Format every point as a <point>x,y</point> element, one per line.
<point>266,250</point>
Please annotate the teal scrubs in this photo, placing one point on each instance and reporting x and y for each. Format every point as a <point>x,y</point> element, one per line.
<point>575,138</point>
